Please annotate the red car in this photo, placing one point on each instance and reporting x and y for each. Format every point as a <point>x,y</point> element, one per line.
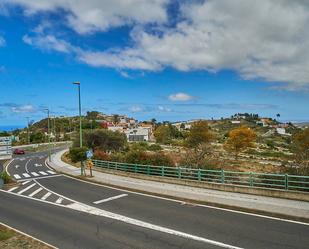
<point>19,152</point>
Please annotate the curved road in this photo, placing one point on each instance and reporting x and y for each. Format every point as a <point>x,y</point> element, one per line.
<point>69,213</point>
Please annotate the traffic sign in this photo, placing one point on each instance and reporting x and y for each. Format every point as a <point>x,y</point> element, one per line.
<point>89,153</point>
<point>5,148</point>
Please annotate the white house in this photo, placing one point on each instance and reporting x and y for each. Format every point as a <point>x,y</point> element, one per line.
<point>138,134</point>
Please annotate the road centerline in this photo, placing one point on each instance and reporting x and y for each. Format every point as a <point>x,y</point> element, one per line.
<point>110,199</point>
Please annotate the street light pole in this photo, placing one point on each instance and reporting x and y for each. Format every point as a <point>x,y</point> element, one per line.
<point>80,124</point>
<point>48,133</point>
<point>28,135</point>
<point>80,115</point>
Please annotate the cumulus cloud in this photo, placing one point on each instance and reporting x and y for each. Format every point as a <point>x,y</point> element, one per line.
<point>266,40</point>
<point>180,97</point>
<point>99,15</point>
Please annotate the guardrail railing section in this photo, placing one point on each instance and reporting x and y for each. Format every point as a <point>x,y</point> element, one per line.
<point>248,179</point>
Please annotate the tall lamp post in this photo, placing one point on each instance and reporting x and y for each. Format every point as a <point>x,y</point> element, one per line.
<point>80,123</point>
<point>48,132</point>
<point>28,135</point>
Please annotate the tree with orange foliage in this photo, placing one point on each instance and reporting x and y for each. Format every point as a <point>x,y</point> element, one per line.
<point>239,140</point>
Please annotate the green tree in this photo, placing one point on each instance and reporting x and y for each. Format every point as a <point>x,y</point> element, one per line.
<point>103,140</point>
<point>163,134</point>
<point>199,134</point>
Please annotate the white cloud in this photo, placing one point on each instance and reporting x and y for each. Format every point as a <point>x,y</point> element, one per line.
<point>164,109</point>
<point>180,97</point>
<point>23,109</point>
<point>99,15</point>
<point>136,109</point>
<point>2,42</point>
<point>266,40</point>
<point>48,42</point>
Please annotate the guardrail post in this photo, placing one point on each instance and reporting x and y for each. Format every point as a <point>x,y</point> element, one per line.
<point>179,172</point>
<point>286,182</point>
<point>116,164</point>
<point>222,176</point>
<point>162,171</point>
<point>251,179</point>
<point>148,170</point>
<point>108,165</point>
<point>199,175</point>
<point>135,168</point>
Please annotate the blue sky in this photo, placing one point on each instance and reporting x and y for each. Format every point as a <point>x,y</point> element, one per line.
<point>184,60</point>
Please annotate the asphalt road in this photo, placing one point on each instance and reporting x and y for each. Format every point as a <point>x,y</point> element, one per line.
<point>66,228</point>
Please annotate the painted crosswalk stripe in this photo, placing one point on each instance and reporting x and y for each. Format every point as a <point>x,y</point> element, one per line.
<point>12,189</point>
<point>43,173</point>
<point>16,176</point>
<point>26,175</point>
<point>25,182</point>
<point>46,196</point>
<point>25,189</point>
<point>51,172</point>
<point>110,199</point>
<point>35,192</point>
<point>59,200</point>
<point>34,174</point>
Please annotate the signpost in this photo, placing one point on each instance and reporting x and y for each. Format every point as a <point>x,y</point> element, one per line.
<point>5,148</point>
<point>89,154</point>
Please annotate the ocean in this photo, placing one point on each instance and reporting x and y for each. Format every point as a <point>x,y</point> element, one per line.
<point>10,127</point>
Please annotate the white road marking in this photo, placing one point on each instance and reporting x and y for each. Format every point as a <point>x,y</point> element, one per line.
<point>46,196</point>
<point>25,189</point>
<point>26,175</point>
<point>51,172</point>
<point>16,176</point>
<point>59,201</point>
<point>43,173</point>
<point>25,182</point>
<point>35,192</point>
<point>37,165</point>
<point>17,166</point>
<point>34,174</point>
<point>95,211</point>
<point>110,199</point>
<point>12,189</point>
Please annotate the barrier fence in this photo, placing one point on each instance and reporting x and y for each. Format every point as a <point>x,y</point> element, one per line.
<point>249,179</point>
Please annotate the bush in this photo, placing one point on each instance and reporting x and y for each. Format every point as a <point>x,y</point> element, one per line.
<point>155,147</point>
<point>5,177</point>
<point>141,157</point>
<point>142,146</point>
<point>101,155</point>
<point>78,154</point>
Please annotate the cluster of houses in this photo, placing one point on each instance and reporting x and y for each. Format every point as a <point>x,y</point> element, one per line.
<point>134,130</point>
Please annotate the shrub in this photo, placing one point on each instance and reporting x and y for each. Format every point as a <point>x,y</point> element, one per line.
<point>78,154</point>
<point>5,177</point>
<point>155,147</point>
<point>141,157</point>
<point>101,155</point>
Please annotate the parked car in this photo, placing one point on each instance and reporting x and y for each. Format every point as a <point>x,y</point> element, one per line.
<point>19,152</point>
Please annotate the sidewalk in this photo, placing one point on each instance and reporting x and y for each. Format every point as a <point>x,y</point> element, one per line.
<point>264,205</point>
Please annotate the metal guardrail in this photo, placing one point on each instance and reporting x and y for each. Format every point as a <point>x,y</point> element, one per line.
<point>249,179</point>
